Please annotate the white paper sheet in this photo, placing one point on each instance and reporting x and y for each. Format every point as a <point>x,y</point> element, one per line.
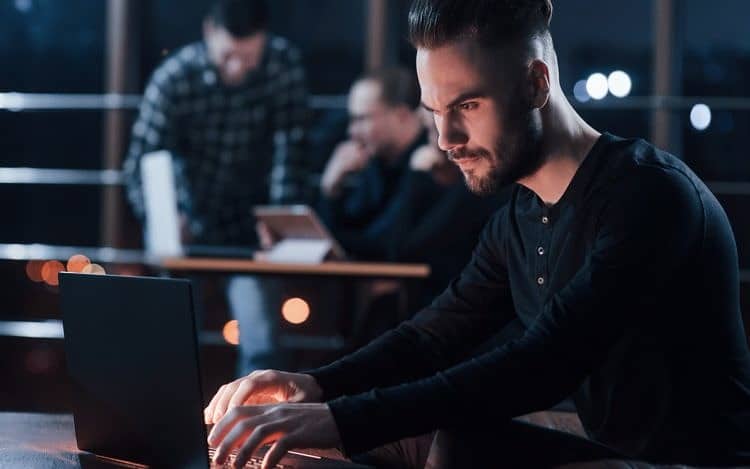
<point>160,197</point>
<point>299,251</point>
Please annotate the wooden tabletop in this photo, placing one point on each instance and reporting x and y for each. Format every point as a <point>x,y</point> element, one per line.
<point>357,269</point>
<point>31,440</point>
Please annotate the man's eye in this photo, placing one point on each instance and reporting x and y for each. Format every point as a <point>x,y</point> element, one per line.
<point>468,106</point>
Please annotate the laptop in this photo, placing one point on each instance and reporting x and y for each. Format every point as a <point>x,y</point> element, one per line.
<point>132,356</point>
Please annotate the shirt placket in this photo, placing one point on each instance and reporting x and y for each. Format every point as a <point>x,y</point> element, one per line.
<point>541,253</point>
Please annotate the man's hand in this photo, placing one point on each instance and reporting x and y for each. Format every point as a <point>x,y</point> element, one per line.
<point>348,157</point>
<point>426,157</point>
<point>285,426</point>
<point>265,236</point>
<point>262,387</point>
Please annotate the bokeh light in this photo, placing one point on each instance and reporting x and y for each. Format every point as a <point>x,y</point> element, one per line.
<point>295,310</point>
<point>93,269</point>
<point>231,332</point>
<point>34,271</point>
<point>50,270</point>
<point>597,86</point>
<point>579,91</point>
<point>619,83</point>
<point>77,263</point>
<point>700,116</point>
<point>24,6</point>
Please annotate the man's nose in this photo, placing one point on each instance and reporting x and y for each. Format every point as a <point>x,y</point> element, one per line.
<point>450,133</point>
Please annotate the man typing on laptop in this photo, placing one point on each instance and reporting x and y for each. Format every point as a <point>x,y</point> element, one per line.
<point>617,259</point>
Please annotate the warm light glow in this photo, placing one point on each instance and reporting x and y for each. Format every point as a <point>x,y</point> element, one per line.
<point>34,271</point>
<point>295,310</point>
<point>77,263</point>
<point>231,332</point>
<point>50,269</point>
<point>93,269</point>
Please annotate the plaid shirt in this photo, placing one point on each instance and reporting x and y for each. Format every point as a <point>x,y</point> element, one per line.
<point>233,147</point>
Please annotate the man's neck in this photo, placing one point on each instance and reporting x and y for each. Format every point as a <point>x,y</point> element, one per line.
<point>567,141</point>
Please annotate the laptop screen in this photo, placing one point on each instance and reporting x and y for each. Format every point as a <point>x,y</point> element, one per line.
<point>132,356</point>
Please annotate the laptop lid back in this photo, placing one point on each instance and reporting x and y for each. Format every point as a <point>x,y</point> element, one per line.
<point>132,357</point>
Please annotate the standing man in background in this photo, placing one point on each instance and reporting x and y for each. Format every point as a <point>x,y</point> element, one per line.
<point>231,109</point>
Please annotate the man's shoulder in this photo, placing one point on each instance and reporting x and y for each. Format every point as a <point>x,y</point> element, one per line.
<point>280,44</point>
<point>638,163</point>
<point>181,64</point>
<point>647,179</point>
<point>282,50</point>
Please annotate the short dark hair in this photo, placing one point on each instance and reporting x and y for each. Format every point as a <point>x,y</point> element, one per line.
<point>398,86</point>
<point>493,23</point>
<point>241,18</point>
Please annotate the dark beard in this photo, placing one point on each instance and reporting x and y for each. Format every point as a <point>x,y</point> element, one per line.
<point>514,160</point>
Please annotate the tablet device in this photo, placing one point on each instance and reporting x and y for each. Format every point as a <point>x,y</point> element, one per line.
<point>296,222</point>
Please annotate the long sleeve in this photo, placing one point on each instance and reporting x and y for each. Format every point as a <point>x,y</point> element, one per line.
<point>289,176</point>
<point>154,129</point>
<point>351,208</point>
<point>475,305</point>
<point>643,240</point>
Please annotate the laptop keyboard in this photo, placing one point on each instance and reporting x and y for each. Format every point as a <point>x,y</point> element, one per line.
<point>252,463</point>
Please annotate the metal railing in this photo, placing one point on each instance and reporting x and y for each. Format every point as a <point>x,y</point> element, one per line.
<point>18,102</point>
<point>42,252</point>
<point>78,177</point>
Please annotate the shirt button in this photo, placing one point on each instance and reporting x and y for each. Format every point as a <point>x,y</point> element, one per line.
<point>540,250</point>
<point>545,220</point>
<point>540,280</point>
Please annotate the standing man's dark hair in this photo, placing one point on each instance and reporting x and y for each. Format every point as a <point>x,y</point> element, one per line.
<point>241,18</point>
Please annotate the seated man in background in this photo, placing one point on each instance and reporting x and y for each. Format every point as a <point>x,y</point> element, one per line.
<point>232,111</point>
<point>436,218</point>
<point>616,257</point>
<point>389,194</point>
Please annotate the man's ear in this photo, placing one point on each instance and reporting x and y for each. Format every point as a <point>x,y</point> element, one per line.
<point>539,84</point>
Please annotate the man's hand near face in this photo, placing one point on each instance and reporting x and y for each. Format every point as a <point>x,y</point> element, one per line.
<point>348,157</point>
<point>426,158</point>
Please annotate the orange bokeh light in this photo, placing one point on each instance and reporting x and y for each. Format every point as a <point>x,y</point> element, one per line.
<point>295,310</point>
<point>93,269</point>
<point>34,271</point>
<point>231,332</point>
<point>50,269</point>
<point>77,262</point>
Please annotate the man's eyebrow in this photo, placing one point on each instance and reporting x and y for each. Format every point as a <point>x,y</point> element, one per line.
<point>473,94</point>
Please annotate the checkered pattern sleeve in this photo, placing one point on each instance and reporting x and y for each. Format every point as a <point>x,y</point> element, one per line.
<point>289,114</point>
<point>154,129</point>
